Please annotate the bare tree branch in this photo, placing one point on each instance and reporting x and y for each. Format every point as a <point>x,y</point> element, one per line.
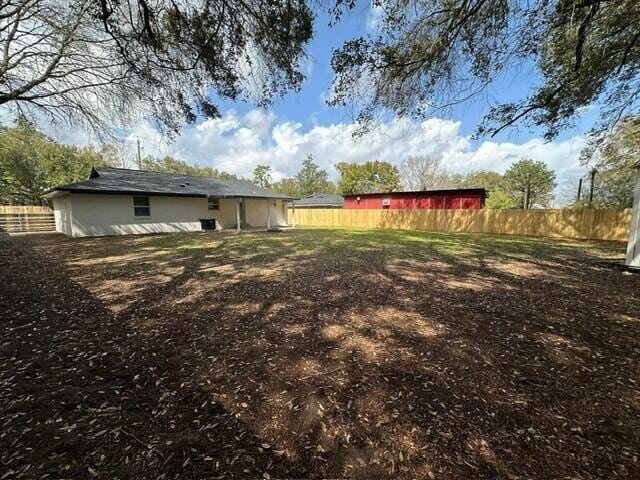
<point>106,63</point>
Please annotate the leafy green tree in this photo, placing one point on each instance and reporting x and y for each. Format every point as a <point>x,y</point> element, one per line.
<point>22,179</point>
<point>370,177</point>
<point>498,198</point>
<point>262,176</point>
<point>312,179</point>
<point>172,165</point>
<point>529,183</point>
<point>487,179</point>
<point>446,51</point>
<point>288,186</point>
<point>95,62</point>
<point>491,181</point>
<point>612,156</point>
<point>31,163</point>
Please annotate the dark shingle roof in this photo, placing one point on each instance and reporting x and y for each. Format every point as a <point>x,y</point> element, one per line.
<point>125,181</point>
<point>320,199</point>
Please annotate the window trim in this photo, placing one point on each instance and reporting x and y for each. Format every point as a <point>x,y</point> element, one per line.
<point>216,204</point>
<point>147,206</point>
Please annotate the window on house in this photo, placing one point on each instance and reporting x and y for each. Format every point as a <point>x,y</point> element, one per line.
<point>141,206</point>
<point>214,203</point>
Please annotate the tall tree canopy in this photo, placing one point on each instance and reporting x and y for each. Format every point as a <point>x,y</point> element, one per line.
<point>262,176</point>
<point>492,182</point>
<point>31,163</point>
<point>288,186</point>
<point>169,164</point>
<point>432,53</point>
<point>612,156</point>
<point>423,172</point>
<point>498,198</point>
<point>101,62</point>
<point>481,178</point>
<point>369,177</point>
<point>529,183</point>
<point>312,179</point>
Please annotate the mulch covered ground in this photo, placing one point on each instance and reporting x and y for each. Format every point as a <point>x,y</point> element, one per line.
<point>311,354</point>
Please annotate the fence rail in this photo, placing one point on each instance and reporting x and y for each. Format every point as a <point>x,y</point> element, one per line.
<point>26,218</point>
<point>593,224</point>
<point>24,209</point>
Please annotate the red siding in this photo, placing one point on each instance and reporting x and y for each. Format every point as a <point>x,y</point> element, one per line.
<point>418,200</point>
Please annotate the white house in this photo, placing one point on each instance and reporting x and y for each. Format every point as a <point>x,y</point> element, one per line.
<point>117,201</point>
<point>633,247</point>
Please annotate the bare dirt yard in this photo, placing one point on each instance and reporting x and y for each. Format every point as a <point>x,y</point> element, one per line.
<point>317,353</point>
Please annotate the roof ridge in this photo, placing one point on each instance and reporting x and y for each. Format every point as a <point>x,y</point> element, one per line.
<point>127,180</point>
<point>173,173</point>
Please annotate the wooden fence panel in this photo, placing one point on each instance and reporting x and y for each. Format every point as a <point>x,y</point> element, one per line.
<point>24,209</point>
<point>26,218</point>
<point>566,223</point>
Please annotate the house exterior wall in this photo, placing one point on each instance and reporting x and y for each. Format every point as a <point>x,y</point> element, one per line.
<point>256,212</point>
<point>416,200</point>
<point>226,216</point>
<point>82,215</point>
<point>96,215</point>
<point>62,214</point>
<point>278,213</point>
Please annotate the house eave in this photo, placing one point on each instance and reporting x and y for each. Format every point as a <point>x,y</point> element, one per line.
<point>96,191</point>
<point>258,197</point>
<point>127,192</point>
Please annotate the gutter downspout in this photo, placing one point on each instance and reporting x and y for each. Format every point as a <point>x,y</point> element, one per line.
<point>238,215</point>
<point>268,214</point>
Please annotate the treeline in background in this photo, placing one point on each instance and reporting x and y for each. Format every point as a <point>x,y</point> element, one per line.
<point>32,162</point>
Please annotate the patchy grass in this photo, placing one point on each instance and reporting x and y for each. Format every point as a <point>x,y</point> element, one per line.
<point>318,353</point>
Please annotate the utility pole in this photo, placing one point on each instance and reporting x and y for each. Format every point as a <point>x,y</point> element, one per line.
<point>579,190</point>
<point>593,179</point>
<point>139,156</point>
<point>527,195</point>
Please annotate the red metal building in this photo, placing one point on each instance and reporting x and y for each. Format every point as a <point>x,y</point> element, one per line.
<point>465,198</point>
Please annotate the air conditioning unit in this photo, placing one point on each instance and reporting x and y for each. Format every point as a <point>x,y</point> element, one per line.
<point>386,202</point>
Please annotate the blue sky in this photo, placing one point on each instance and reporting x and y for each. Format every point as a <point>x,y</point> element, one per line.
<point>309,107</point>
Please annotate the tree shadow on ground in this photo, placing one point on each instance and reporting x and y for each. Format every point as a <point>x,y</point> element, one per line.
<point>84,396</point>
<point>378,354</point>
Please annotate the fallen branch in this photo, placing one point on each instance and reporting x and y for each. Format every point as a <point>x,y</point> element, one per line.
<point>131,435</point>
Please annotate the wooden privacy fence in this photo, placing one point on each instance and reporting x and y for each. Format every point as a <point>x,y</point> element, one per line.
<point>567,223</point>
<point>26,218</point>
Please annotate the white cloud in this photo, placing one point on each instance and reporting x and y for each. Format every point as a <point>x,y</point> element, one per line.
<point>237,143</point>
